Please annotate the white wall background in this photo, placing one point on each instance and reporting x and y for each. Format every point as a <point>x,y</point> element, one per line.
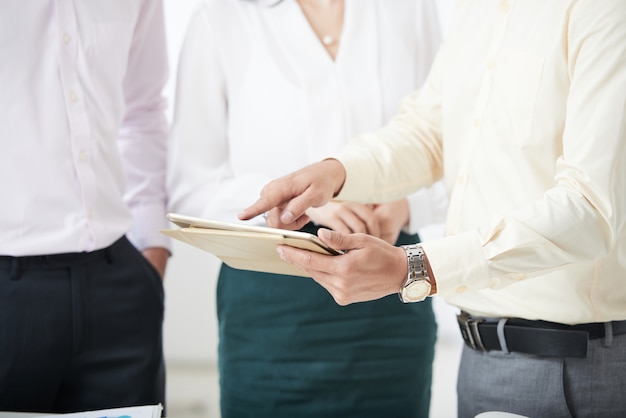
<point>191,325</point>
<point>190,330</point>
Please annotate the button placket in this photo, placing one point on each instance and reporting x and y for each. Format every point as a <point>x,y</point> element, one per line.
<point>79,127</point>
<point>481,103</point>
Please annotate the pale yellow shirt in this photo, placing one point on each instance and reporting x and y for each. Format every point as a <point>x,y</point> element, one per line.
<point>524,115</point>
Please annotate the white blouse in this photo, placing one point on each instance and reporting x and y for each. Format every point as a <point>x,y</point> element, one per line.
<point>258,96</point>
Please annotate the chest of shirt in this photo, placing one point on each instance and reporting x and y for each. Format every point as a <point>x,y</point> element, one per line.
<point>507,66</point>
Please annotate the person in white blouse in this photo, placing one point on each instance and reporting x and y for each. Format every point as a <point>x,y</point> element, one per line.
<point>263,88</point>
<point>82,174</point>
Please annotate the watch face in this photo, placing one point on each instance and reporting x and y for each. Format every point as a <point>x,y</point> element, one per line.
<point>416,291</point>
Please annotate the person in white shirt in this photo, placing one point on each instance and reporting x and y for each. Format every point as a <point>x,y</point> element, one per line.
<point>524,116</point>
<point>263,88</point>
<point>82,175</point>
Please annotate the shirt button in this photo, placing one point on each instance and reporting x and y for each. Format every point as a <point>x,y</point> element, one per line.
<point>67,39</point>
<point>461,289</point>
<point>73,97</point>
<point>491,65</point>
<point>82,155</point>
<point>476,122</point>
<point>505,6</point>
<point>461,180</point>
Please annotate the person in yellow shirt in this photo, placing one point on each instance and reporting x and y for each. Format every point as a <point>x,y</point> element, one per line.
<point>524,115</point>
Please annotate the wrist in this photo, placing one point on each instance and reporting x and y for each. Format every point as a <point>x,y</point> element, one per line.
<point>338,172</point>
<point>433,282</point>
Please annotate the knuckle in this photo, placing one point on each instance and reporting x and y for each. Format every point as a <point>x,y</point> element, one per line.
<point>341,299</point>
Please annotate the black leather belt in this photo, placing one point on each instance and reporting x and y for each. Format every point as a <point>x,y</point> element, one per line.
<point>540,338</point>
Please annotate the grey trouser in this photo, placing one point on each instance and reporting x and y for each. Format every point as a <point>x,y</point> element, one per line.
<point>545,387</point>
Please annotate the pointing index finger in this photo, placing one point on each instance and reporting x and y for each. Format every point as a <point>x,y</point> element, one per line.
<point>262,205</point>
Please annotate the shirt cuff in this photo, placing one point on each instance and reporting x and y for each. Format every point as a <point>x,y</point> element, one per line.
<point>458,264</point>
<point>147,223</point>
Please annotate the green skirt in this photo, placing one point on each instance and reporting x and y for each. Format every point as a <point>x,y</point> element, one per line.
<point>286,349</point>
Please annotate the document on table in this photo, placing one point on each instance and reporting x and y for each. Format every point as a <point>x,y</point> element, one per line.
<point>149,411</point>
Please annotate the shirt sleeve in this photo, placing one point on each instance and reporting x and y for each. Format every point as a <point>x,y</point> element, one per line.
<point>143,135</point>
<point>201,181</point>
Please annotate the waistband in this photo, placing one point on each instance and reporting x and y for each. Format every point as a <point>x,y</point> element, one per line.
<point>60,260</point>
<point>540,338</point>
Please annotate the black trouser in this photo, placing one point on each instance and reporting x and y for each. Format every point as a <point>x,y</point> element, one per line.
<point>80,331</point>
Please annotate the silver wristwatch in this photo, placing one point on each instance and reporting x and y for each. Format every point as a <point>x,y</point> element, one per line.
<point>417,286</point>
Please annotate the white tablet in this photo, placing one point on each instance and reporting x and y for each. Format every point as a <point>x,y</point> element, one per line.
<point>244,246</point>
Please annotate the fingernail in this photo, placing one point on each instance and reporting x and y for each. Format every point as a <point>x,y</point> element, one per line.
<point>280,252</point>
<point>286,217</point>
<point>324,233</point>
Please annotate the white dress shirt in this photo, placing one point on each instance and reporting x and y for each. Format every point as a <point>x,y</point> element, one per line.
<point>82,125</point>
<point>258,96</point>
<point>524,113</point>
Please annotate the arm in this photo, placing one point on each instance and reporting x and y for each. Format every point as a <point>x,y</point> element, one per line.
<point>212,172</point>
<point>198,146</point>
<point>143,134</point>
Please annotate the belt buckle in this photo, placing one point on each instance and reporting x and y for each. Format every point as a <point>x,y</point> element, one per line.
<point>469,330</point>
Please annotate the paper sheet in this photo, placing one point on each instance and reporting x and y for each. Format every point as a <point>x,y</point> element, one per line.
<point>150,411</point>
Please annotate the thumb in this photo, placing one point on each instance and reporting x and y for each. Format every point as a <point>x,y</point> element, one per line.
<point>338,240</point>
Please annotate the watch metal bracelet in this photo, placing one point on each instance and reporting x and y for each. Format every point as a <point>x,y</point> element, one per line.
<point>417,285</point>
